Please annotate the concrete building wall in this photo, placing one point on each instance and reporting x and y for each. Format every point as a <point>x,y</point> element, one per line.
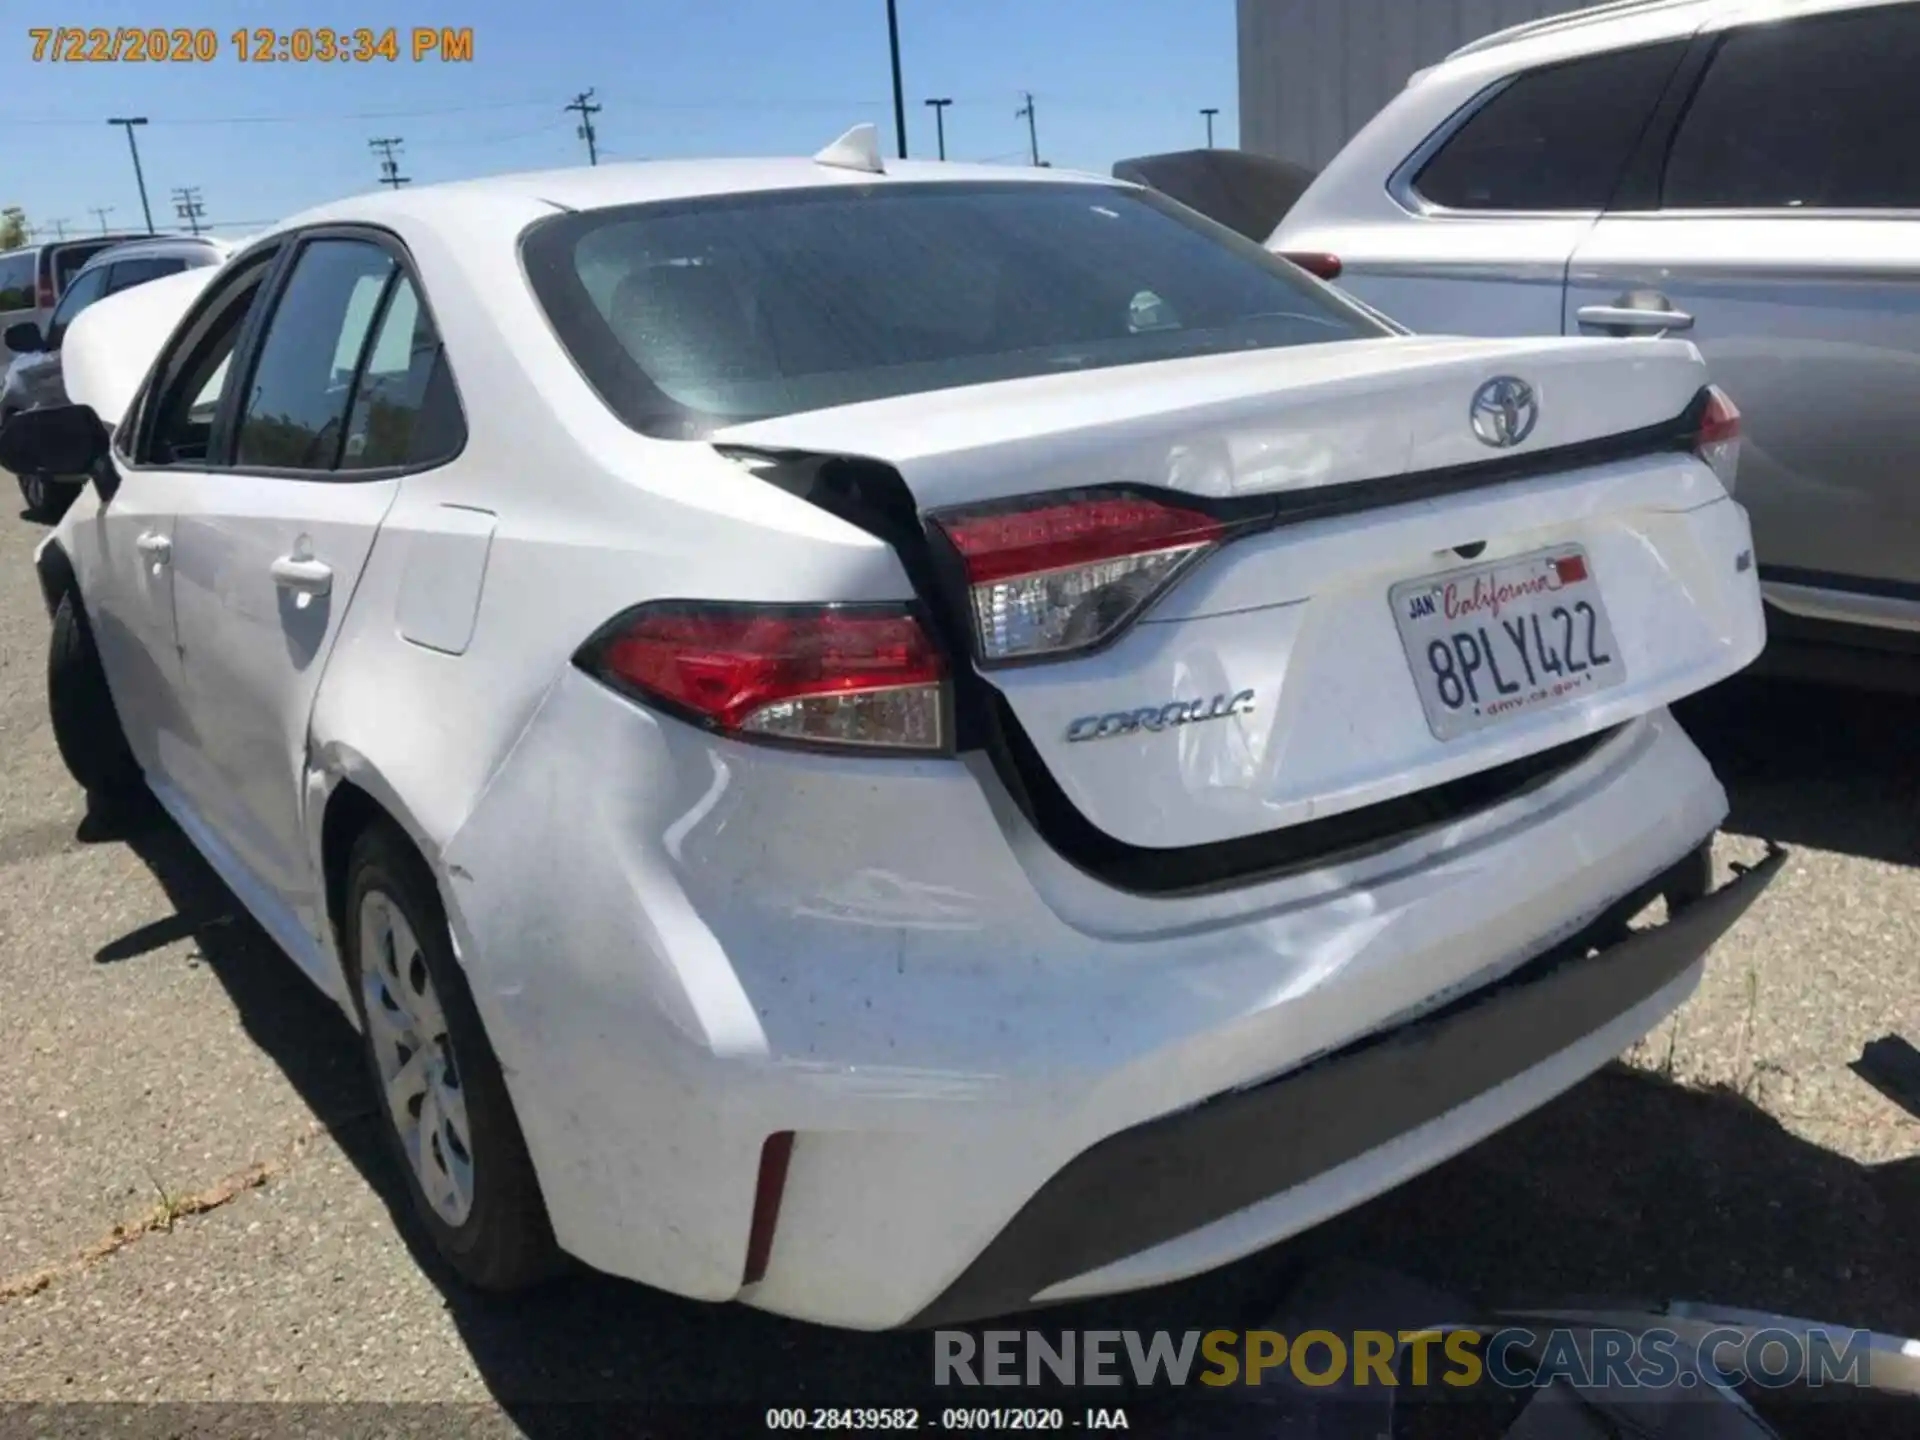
<point>1312,72</point>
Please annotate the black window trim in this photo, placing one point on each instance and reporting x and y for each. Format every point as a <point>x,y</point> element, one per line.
<point>1402,190</point>
<point>133,441</point>
<point>564,306</point>
<point>287,247</point>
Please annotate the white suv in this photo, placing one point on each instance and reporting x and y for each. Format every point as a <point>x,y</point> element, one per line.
<point>1743,173</point>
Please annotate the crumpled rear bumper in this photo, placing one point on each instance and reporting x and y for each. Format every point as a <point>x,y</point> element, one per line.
<point>1178,1173</point>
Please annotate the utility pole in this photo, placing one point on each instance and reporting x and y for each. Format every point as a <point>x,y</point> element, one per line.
<point>1025,112</point>
<point>899,94</point>
<point>389,167</point>
<point>939,108</point>
<point>100,213</point>
<point>583,102</point>
<point>1210,111</point>
<point>186,204</point>
<point>129,121</point>
<point>59,228</point>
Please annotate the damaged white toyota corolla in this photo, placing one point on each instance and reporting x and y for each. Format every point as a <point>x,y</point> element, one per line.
<point>893,746</point>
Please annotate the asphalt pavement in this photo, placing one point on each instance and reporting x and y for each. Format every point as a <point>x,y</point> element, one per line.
<point>195,1206</point>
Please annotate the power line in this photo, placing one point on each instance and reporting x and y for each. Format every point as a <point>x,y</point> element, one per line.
<point>100,213</point>
<point>389,167</point>
<point>583,103</point>
<point>1025,112</point>
<point>186,204</point>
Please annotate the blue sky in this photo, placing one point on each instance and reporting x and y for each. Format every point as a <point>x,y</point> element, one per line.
<point>697,77</point>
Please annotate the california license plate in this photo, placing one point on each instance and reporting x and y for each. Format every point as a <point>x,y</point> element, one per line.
<point>1492,642</point>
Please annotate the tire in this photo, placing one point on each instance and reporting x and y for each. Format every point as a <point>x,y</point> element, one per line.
<point>406,984</point>
<point>86,726</point>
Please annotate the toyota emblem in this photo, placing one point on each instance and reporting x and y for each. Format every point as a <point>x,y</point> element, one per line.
<point>1504,411</point>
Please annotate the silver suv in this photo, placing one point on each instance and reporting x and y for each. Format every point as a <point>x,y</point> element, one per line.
<point>35,378</point>
<point>1742,173</point>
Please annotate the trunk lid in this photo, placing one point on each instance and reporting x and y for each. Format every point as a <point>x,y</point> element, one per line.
<point>1279,681</point>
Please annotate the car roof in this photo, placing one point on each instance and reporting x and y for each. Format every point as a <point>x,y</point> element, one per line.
<point>155,245</point>
<point>1602,27</point>
<point>638,182</point>
<point>39,246</point>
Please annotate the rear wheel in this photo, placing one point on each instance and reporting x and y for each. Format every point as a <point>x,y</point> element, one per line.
<point>443,1103</point>
<point>86,726</point>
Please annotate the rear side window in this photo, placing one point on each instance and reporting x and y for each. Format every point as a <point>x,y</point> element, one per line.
<point>16,282</point>
<point>1810,114</point>
<point>296,402</point>
<point>404,408</point>
<point>691,315</point>
<point>128,273</point>
<point>1552,139</point>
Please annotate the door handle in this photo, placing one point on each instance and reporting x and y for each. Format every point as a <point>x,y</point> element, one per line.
<point>303,576</point>
<point>1633,317</point>
<point>155,547</point>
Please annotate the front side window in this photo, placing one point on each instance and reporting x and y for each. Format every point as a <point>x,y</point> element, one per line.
<point>88,288</point>
<point>190,380</point>
<point>1822,113</point>
<point>692,315</point>
<point>1557,138</point>
<point>295,404</point>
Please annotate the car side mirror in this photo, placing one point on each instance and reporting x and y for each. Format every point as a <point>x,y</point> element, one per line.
<point>60,440</point>
<point>24,338</point>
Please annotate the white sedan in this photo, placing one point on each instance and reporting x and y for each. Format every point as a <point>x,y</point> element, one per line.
<point>896,743</point>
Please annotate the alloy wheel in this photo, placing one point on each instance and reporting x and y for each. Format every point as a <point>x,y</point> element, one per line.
<point>413,1053</point>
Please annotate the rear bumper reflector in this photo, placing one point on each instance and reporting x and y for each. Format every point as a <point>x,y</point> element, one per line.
<point>775,1152</point>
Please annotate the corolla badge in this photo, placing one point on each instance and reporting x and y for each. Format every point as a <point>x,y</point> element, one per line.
<point>1504,411</point>
<point>1158,717</point>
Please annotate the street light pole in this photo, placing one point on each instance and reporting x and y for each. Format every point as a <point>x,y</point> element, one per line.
<point>129,122</point>
<point>1210,111</point>
<point>899,93</point>
<point>939,108</point>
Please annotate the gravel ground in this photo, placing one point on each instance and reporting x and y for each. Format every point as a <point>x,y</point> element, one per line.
<point>195,1206</point>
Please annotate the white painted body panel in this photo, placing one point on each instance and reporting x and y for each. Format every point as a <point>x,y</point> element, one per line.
<point>679,943</point>
<point>112,343</point>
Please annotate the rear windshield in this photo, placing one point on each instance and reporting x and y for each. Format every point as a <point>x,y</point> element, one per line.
<point>687,316</point>
<point>68,259</point>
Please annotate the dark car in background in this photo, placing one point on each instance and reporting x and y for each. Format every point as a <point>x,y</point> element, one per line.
<point>34,377</point>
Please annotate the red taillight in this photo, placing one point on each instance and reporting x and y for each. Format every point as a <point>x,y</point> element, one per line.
<point>1067,573</point>
<point>1717,441</point>
<point>1315,262</point>
<point>858,676</point>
